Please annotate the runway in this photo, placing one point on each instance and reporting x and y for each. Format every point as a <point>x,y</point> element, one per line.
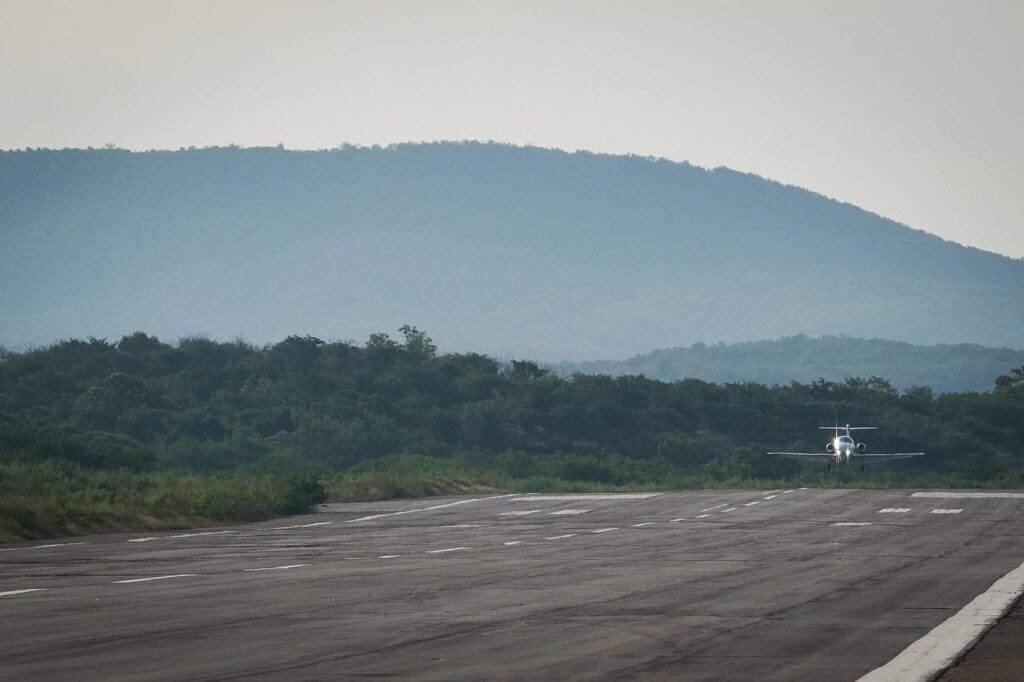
<point>710,585</point>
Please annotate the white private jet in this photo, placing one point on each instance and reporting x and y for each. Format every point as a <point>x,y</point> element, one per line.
<point>842,449</point>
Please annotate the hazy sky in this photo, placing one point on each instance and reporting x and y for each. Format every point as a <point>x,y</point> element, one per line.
<point>908,108</point>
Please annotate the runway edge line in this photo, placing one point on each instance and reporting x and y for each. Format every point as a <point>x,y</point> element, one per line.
<point>943,646</point>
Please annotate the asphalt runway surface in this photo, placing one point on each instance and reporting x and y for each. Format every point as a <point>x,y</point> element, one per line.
<point>704,585</point>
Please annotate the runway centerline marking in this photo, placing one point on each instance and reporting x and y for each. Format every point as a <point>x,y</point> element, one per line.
<point>448,549</point>
<point>466,525</point>
<point>572,512</point>
<point>642,525</point>
<point>304,525</point>
<point>703,516</point>
<point>432,508</point>
<point>717,506</point>
<point>968,496</point>
<point>49,546</point>
<point>851,523</point>
<point>946,511</point>
<point>511,542</point>
<point>196,535</point>
<point>682,519</point>
<point>769,497</point>
<point>730,509</point>
<point>389,556</point>
<point>521,512</point>
<point>603,530</point>
<point>561,537</point>
<point>894,510</point>
<point>751,504</point>
<point>938,649</point>
<point>142,539</point>
<point>786,492</point>
<point>155,577</point>
<point>274,568</point>
<point>11,593</point>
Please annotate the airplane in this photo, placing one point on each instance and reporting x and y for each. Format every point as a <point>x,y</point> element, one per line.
<point>842,449</point>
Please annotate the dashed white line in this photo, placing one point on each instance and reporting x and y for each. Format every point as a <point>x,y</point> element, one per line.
<point>304,525</point>
<point>389,556</point>
<point>786,492</point>
<point>522,512</point>
<point>274,568</point>
<point>751,504</point>
<point>968,496</point>
<point>466,525</point>
<point>703,516</point>
<point>851,523</point>
<point>569,512</point>
<point>946,511</point>
<point>717,506</point>
<point>11,593</point>
<point>142,539</point>
<point>449,549</point>
<point>730,509</point>
<point>211,532</point>
<point>561,537</point>
<point>643,525</point>
<point>603,530</point>
<point>894,510</point>
<point>436,506</point>
<point>511,542</point>
<point>769,497</point>
<point>155,577</point>
<point>591,496</point>
<point>683,519</point>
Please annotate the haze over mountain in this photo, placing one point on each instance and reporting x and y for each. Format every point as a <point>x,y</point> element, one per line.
<point>505,250</point>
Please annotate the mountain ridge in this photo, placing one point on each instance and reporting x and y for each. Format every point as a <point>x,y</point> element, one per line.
<point>501,249</point>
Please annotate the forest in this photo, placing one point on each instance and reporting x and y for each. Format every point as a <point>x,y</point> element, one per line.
<point>98,434</point>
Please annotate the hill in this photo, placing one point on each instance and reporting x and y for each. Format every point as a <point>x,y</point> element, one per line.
<point>943,368</point>
<point>508,251</point>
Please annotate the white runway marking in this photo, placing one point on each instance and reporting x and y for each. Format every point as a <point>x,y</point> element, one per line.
<point>717,506</point>
<point>937,650</point>
<point>50,546</point>
<point>703,516</point>
<point>603,530</point>
<point>786,492</point>
<point>156,577</point>
<point>11,593</point>
<point>569,512</point>
<point>275,568</point>
<point>851,523</point>
<point>751,504</point>
<point>466,525</point>
<point>304,525</point>
<point>522,512</point>
<point>590,496</point>
<point>423,509</point>
<point>561,537</point>
<point>946,511</point>
<point>683,519</point>
<point>211,532</point>
<point>969,496</point>
<point>142,539</point>
<point>449,549</point>
<point>769,492</point>
<point>893,510</point>
<point>725,511</point>
<point>511,542</point>
<point>389,556</point>
<point>642,525</point>
<point>770,497</point>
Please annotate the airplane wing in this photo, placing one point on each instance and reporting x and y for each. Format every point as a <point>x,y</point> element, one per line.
<point>820,456</point>
<point>887,455</point>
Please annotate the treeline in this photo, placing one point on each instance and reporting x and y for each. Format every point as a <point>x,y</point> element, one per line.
<point>942,367</point>
<point>393,417</point>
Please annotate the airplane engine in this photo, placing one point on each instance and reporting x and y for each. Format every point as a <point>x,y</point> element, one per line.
<point>861,447</point>
<point>829,447</point>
